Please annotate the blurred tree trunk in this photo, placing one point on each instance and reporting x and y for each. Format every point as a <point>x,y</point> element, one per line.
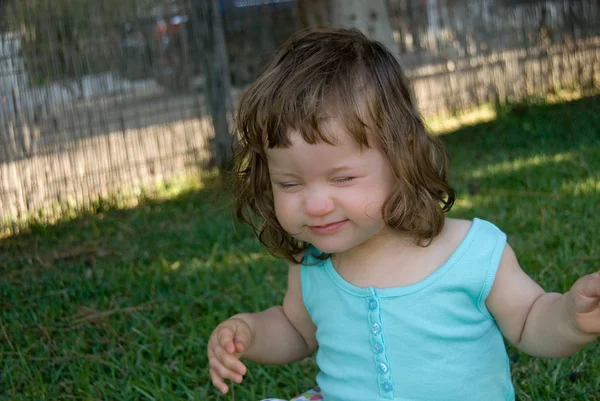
<point>370,17</point>
<point>217,80</point>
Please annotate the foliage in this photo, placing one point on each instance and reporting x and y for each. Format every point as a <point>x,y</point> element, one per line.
<point>118,304</point>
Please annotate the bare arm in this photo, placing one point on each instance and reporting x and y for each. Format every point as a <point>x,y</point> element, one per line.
<point>282,334</point>
<point>538,323</point>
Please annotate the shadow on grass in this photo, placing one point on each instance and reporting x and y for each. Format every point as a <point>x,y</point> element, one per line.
<point>91,304</point>
<point>120,302</point>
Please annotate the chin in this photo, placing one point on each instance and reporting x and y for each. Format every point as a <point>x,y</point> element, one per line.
<point>330,246</point>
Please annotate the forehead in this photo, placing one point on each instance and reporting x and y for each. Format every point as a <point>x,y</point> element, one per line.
<point>306,159</point>
<point>331,135</point>
<point>329,130</point>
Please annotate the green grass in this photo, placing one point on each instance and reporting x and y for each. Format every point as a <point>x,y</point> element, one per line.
<point>118,304</point>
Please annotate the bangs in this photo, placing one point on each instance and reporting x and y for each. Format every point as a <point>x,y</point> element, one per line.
<point>310,110</point>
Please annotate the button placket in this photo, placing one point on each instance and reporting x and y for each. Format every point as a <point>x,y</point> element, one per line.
<point>382,368</point>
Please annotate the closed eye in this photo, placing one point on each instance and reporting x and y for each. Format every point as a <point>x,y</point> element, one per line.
<point>344,180</point>
<point>287,185</point>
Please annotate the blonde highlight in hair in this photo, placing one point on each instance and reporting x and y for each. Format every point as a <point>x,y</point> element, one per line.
<point>324,73</point>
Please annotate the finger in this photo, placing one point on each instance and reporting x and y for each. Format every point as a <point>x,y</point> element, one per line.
<point>225,339</point>
<point>231,362</point>
<point>590,324</point>
<point>223,372</point>
<point>240,347</point>
<point>588,286</point>
<point>224,358</point>
<point>213,341</point>
<point>585,294</point>
<point>592,288</point>
<point>242,337</point>
<point>218,382</point>
<point>241,368</point>
<point>212,344</point>
<point>212,350</point>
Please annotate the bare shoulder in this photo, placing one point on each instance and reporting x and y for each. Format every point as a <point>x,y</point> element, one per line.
<point>457,226</point>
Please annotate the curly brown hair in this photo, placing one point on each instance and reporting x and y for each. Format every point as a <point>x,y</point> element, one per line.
<point>321,73</point>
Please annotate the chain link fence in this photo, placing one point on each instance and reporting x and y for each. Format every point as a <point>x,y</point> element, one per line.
<point>463,53</point>
<point>101,96</point>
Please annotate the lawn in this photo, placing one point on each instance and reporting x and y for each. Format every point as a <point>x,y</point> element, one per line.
<point>118,303</point>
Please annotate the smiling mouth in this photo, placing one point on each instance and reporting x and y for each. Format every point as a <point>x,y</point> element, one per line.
<point>327,228</point>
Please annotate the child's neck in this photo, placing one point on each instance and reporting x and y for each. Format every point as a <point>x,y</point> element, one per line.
<point>376,250</point>
<point>392,260</point>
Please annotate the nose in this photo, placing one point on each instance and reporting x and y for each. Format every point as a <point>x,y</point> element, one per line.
<point>318,203</point>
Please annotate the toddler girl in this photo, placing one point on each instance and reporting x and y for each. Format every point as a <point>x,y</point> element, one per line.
<point>400,302</point>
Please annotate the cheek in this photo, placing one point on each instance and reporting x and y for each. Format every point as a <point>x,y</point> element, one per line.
<point>380,190</point>
<point>372,197</point>
<point>373,209</point>
<point>284,206</point>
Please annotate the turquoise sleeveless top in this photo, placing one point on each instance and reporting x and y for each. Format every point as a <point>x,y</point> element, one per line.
<point>432,340</point>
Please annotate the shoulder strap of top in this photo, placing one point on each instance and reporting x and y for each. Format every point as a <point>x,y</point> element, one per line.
<point>312,275</point>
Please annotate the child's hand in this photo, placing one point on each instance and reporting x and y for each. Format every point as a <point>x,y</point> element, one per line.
<point>227,343</point>
<point>584,304</point>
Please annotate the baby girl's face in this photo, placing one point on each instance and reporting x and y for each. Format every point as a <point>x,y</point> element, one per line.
<point>330,195</point>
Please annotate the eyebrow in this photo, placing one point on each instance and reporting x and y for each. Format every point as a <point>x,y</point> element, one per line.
<point>331,171</point>
<point>341,168</point>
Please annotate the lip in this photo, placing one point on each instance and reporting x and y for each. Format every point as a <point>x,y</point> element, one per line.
<point>328,228</point>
